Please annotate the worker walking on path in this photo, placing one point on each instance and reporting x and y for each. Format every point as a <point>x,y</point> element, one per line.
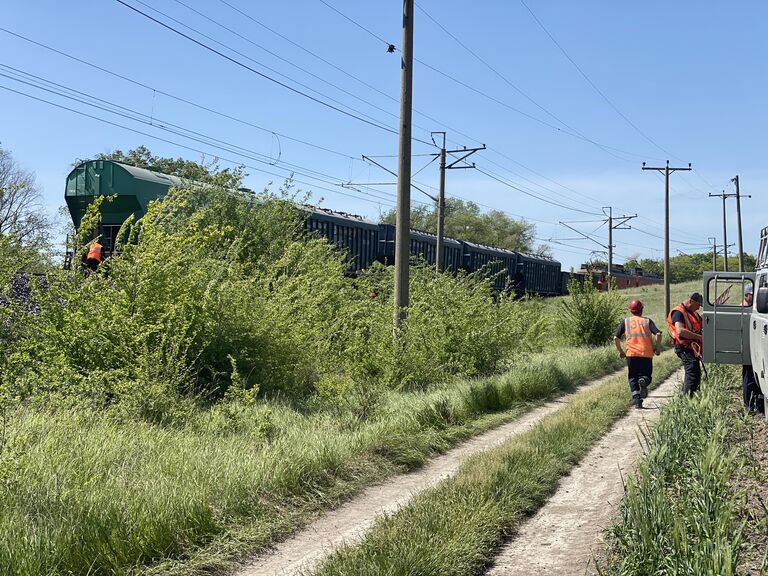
<point>639,333</point>
<point>684,325</point>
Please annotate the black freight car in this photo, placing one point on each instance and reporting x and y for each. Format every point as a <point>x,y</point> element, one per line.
<point>355,234</point>
<point>497,263</point>
<point>422,244</point>
<point>542,275</point>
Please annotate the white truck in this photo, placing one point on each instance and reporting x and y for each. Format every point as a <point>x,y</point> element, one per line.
<point>733,333</point>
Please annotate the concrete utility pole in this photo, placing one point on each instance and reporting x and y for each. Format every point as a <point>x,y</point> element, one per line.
<point>440,253</point>
<point>666,170</point>
<point>403,219</point>
<point>713,241</point>
<point>735,180</point>
<point>724,196</point>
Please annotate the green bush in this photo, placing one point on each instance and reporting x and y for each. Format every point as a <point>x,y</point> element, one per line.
<point>587,316</point>
<point>214,288</point>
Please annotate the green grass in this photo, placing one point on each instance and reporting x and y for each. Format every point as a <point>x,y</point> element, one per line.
<point>455,528</point>
<point>652,298</point>
<point>81,493</point>
<point>681,514</point>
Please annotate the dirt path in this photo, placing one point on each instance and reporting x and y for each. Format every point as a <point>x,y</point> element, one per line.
<point>349,523</point>
<point>561,538</point>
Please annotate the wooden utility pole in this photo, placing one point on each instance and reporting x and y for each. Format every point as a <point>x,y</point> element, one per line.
<point>666,170</point>
<point>738,220</point>
<point>403,218</point>
<point>724,196</point>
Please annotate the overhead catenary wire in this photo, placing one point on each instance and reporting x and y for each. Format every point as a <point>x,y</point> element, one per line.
<point>265,76</point>
<point>269,68</point>
<point>130,114</point>
<point>176,97</point>
<point>570,131</point>
<point>378,200</point>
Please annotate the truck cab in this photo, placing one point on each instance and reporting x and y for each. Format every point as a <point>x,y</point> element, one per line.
<point>734,333</point>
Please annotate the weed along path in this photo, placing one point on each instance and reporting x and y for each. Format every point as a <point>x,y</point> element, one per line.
<point>564,535</point>
<point>350,523</point>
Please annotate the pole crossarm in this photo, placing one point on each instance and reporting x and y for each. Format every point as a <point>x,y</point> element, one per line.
<point>467,153</point>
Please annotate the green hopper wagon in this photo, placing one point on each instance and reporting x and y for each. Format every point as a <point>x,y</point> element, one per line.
<point>132,187</point>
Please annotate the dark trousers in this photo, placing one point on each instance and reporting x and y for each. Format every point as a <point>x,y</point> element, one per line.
<point>637,368</point>
<point>692,369</point>
<point>752,396</point>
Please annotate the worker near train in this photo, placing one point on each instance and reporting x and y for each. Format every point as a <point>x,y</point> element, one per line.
<point>684,325</point>
<point>643,340</point>
<point>753,397</point>
<point>93,256</point>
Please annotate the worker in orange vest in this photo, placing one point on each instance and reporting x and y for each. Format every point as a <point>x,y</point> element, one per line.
<point>684,324</point>
<point>94,256</point>
<point>639,333</point>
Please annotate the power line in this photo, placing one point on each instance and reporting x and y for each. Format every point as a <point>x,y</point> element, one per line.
<point>589,81</point>
<point>390,47</point>
<point>570,131</point>
<point>548,201</point>
<point>520,91</point>
<point>267,50</point>
<point>186,147</point>
<point>175,97</point>
<point>261,74</point>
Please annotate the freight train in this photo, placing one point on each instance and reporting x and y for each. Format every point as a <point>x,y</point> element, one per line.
<point>365,241</point>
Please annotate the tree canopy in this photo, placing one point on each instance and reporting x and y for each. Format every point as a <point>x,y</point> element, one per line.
<point>142,157</point>
<point>685,267</point>
<point>465,221</point>
<point>23,220</point>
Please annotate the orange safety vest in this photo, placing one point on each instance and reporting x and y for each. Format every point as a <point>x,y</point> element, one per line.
<point>692,323</point>
<point>94,252</point>
<point>637,330</point>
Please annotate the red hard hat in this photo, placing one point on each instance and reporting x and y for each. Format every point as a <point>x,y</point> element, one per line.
<point>636,306</point>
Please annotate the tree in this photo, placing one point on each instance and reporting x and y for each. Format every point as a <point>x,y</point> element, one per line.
<point>22,218</point>
<point>142,157</point>
<point>465,221</point>
<point>685,267</point>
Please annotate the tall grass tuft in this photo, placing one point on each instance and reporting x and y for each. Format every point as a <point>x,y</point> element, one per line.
<point>680,514</point>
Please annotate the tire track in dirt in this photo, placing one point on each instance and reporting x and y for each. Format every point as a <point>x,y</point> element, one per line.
<point>564,535</point>
<point>350,522</point>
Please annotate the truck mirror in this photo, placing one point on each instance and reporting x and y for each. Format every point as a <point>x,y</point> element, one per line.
<point>762,300</point>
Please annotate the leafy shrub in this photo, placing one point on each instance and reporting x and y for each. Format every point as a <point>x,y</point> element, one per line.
<point>587,316</point>
<point>215,291</point>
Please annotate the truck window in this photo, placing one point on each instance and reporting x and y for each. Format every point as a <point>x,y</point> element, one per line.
<point>729,293</point>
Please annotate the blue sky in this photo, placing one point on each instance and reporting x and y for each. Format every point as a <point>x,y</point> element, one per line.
<point>684,81</point>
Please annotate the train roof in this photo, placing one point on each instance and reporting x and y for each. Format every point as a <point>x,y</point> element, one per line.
<point>421,234</point>
<point>338,217</point>
<point>485,248</point>
<point>542,259</point>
